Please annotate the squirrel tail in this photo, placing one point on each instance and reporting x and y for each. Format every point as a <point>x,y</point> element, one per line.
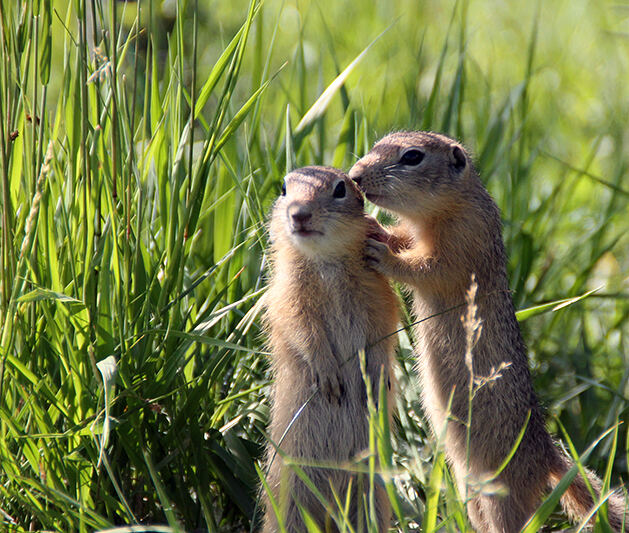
<point>577,501</point>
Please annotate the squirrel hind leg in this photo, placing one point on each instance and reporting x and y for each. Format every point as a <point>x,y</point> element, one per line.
<point>498,514</point>
<point>476,516</point>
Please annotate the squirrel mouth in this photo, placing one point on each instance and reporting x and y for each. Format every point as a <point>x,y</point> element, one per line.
<point>373,197</point>
<point>306,232</point>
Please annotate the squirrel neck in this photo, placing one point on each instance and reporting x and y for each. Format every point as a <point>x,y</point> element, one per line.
<point>294,264</point>
<point>466,238</point>
<point>432,233</point>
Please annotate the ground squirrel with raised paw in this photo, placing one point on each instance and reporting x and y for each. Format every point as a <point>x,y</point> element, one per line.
<point>449,230</point>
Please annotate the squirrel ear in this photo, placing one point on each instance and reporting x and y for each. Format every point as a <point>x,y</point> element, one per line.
<point>460,161</point>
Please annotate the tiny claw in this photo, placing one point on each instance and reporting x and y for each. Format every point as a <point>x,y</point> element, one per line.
<point>332,388</point>
<point>375,250</point>
<point>371,262</point>
<point>341,392</point>
<point>379,245</point>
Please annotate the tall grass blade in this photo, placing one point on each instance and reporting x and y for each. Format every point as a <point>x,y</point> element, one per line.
<point>321,104</point>
<point>524,314</point>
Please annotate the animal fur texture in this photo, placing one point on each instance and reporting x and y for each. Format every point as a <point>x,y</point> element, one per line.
<point>449,229</point>
<point>323,306</point>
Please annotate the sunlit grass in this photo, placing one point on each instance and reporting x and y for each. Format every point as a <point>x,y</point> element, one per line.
<point>140,151</point>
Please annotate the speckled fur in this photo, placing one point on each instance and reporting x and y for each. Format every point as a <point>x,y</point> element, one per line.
<point>323,305</point>
<point>450,228</point>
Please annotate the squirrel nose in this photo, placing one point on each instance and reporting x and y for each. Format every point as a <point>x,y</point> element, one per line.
<point>354,174</point>
<point>300,216</point>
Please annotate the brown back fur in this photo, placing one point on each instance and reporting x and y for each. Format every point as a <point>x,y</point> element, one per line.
<point>323,306</point>
<point>449,229</point>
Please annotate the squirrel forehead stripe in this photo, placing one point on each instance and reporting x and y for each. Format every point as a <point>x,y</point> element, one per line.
<point>387,146</point>
<point>314,178</point>
<point>424,138</point>
<point>318,172</point>
<point>390,145</point>
<point>310,182</point>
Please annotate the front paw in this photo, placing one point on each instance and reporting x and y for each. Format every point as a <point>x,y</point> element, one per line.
<point>378,256</point>
<point>376,231</point>
<point>331,387</point>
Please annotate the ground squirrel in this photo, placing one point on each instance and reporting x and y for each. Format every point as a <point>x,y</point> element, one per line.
<point>323,306</point>
<point>449,229</point>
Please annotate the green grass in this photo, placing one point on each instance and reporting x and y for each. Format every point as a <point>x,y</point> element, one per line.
<point>140,150</point>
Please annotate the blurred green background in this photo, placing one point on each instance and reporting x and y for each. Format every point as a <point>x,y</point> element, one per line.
<point>141,148</point>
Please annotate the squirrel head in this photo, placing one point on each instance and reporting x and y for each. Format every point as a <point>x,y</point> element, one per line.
<point>413,172</point>
<point>319,214</point>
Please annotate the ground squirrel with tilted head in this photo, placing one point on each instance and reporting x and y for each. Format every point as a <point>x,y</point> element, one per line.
<point>323,306</point>
<point>449,229</point>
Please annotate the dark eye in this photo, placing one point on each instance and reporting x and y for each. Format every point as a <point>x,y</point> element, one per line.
<point>412,157</point>
<point>339,190</point>
<point>283,188</point>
